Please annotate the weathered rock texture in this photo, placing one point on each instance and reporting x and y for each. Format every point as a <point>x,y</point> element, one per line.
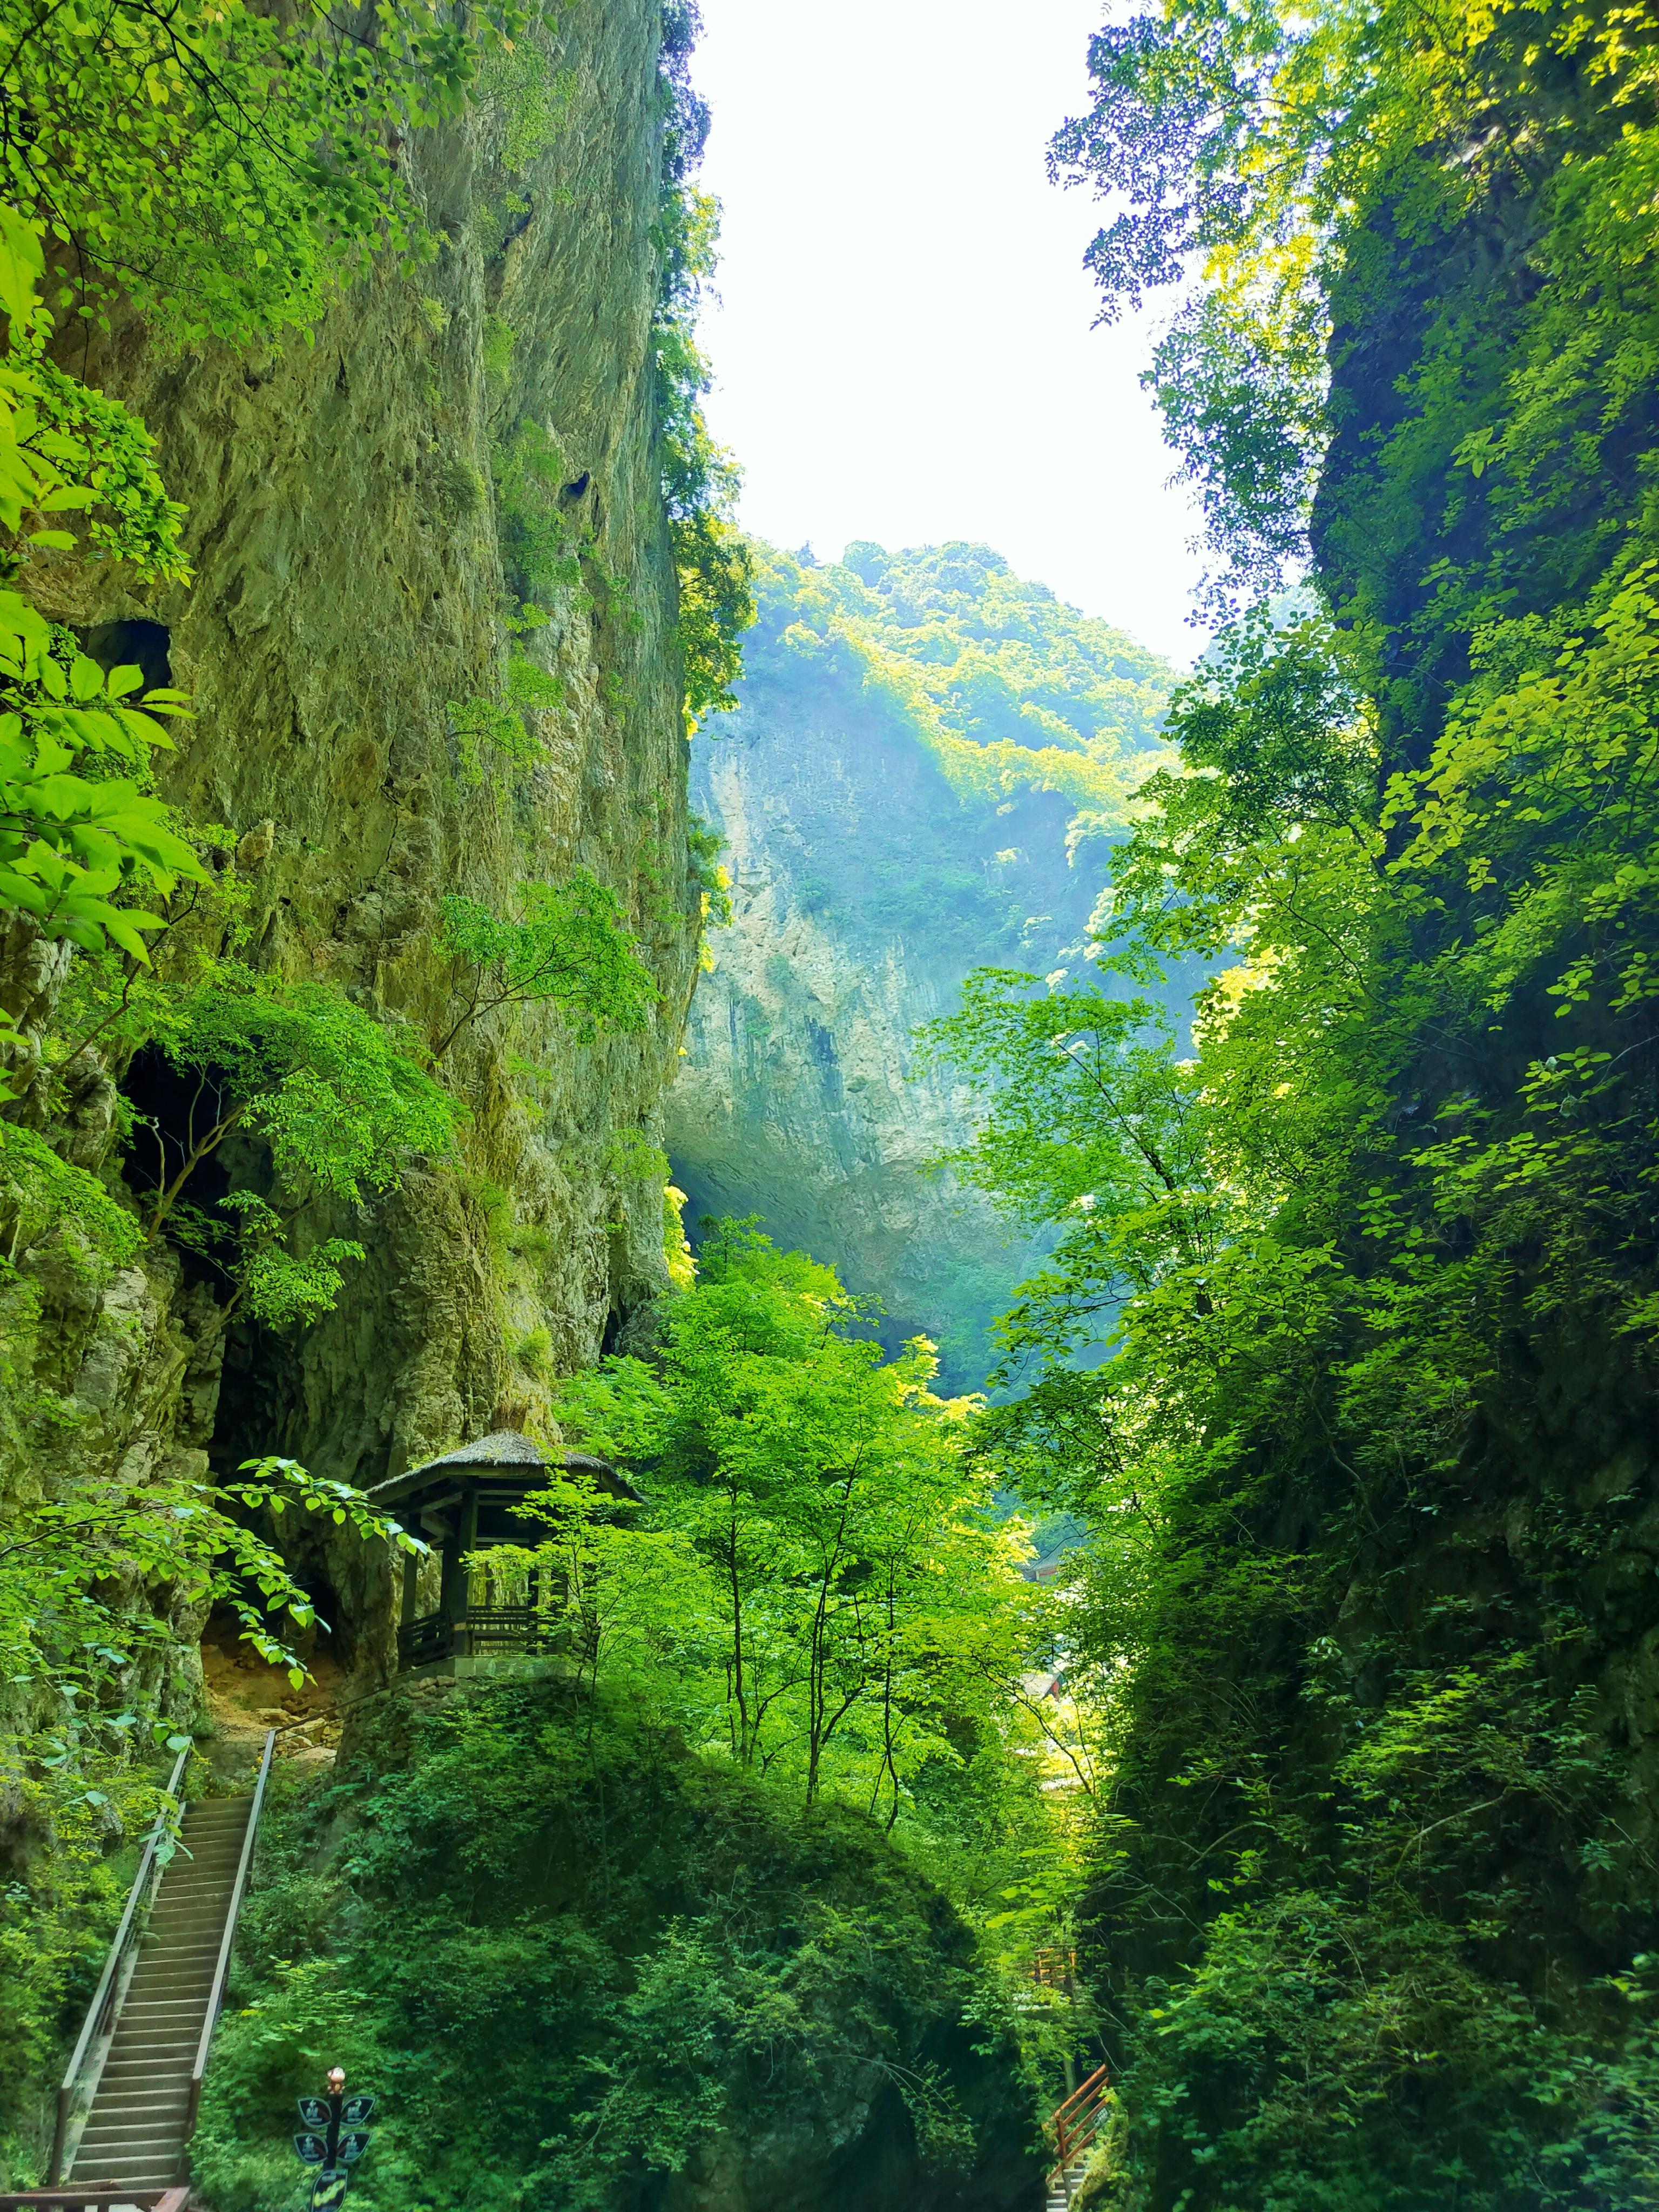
<point>865,883</point>
<point>346,529</point>
<point>802,1096</point>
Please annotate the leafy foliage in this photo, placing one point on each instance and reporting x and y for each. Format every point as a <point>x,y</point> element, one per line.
<point>857,1608</point>
<point>700,479</point>
<point>569,947</point>
<point>65,448</point>
<point>654,1962</point>
<point>225,170</point>
<point>71,844</point>
<point>59,1631</point>
<point>75,848</point>
<point>1368,1894</point>
<point>339,1108</point>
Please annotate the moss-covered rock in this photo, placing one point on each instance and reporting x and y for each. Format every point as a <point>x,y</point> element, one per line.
<point>579,1967</point>
<point>370,507</point>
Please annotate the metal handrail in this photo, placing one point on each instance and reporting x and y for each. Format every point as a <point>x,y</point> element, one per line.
<point>217,1993</point>
<point>100,1996</point>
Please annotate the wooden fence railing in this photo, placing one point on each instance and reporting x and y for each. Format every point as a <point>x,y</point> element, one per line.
<point>1074,2124</point>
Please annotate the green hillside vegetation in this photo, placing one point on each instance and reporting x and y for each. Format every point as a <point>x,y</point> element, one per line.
<point>1034,724</point>
<point>1369,1461</point>
<point>928,756</point>
<point>187,1113</point>
<point>1010,688</point>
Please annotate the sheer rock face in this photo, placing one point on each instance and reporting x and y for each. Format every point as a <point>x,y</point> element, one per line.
<point>865,888</point>
<point>920,778</point>
<point>802,1096</point>
<point>349,589</point>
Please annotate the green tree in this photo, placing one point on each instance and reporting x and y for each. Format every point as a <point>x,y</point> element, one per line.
<point>863,1600</point>
<point>1349,1585</point>
<point>321,1083</point>
<point>700,479</point>
<point>569,947</point>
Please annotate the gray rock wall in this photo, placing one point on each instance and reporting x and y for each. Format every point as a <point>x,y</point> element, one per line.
<point>350,584</point>
<point>864,890</point>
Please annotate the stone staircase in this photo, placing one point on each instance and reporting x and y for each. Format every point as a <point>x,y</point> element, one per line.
<point>141,2110</point>
<point>1063,2182</point>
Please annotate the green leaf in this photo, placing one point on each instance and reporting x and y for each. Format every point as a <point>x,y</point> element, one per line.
<point>21,267</point>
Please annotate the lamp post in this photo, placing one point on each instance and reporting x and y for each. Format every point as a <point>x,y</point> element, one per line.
<point>333,2139</point>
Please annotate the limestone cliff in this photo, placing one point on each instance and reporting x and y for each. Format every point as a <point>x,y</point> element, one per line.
<point>366,507</point>
<point>925,753</point>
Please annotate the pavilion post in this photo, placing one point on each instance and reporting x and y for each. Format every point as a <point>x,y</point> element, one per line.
<point>451,1586</point>
<point>467,1540</point>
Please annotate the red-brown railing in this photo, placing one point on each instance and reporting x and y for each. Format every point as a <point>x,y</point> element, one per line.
<point>1052,1968</point>
<point>1075,2123</point>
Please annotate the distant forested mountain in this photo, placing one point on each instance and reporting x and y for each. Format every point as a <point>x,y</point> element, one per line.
<point>929,757</point>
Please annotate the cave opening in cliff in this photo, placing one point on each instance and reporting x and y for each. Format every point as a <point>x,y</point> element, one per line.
<point>259,1386</point>
<point>184,1159</point>
<point>259,1403</point>
<point>247,1691</point>
<point>179,1117</point>
<point>133,643</point>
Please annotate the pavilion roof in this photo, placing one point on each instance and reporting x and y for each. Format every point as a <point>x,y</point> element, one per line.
<point>504,1452</point>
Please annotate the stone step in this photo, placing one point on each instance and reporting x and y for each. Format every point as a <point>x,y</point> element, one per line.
<point>164,2105</point>
<point>135,2131</point>
<point>113,2149</point>
<point>167,2178</point>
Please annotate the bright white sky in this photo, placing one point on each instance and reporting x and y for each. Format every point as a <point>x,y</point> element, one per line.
<point>904,350</point>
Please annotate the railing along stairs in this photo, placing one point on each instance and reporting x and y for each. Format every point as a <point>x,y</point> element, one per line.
<point>1073,2128</point>
<point>127,2106</point>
